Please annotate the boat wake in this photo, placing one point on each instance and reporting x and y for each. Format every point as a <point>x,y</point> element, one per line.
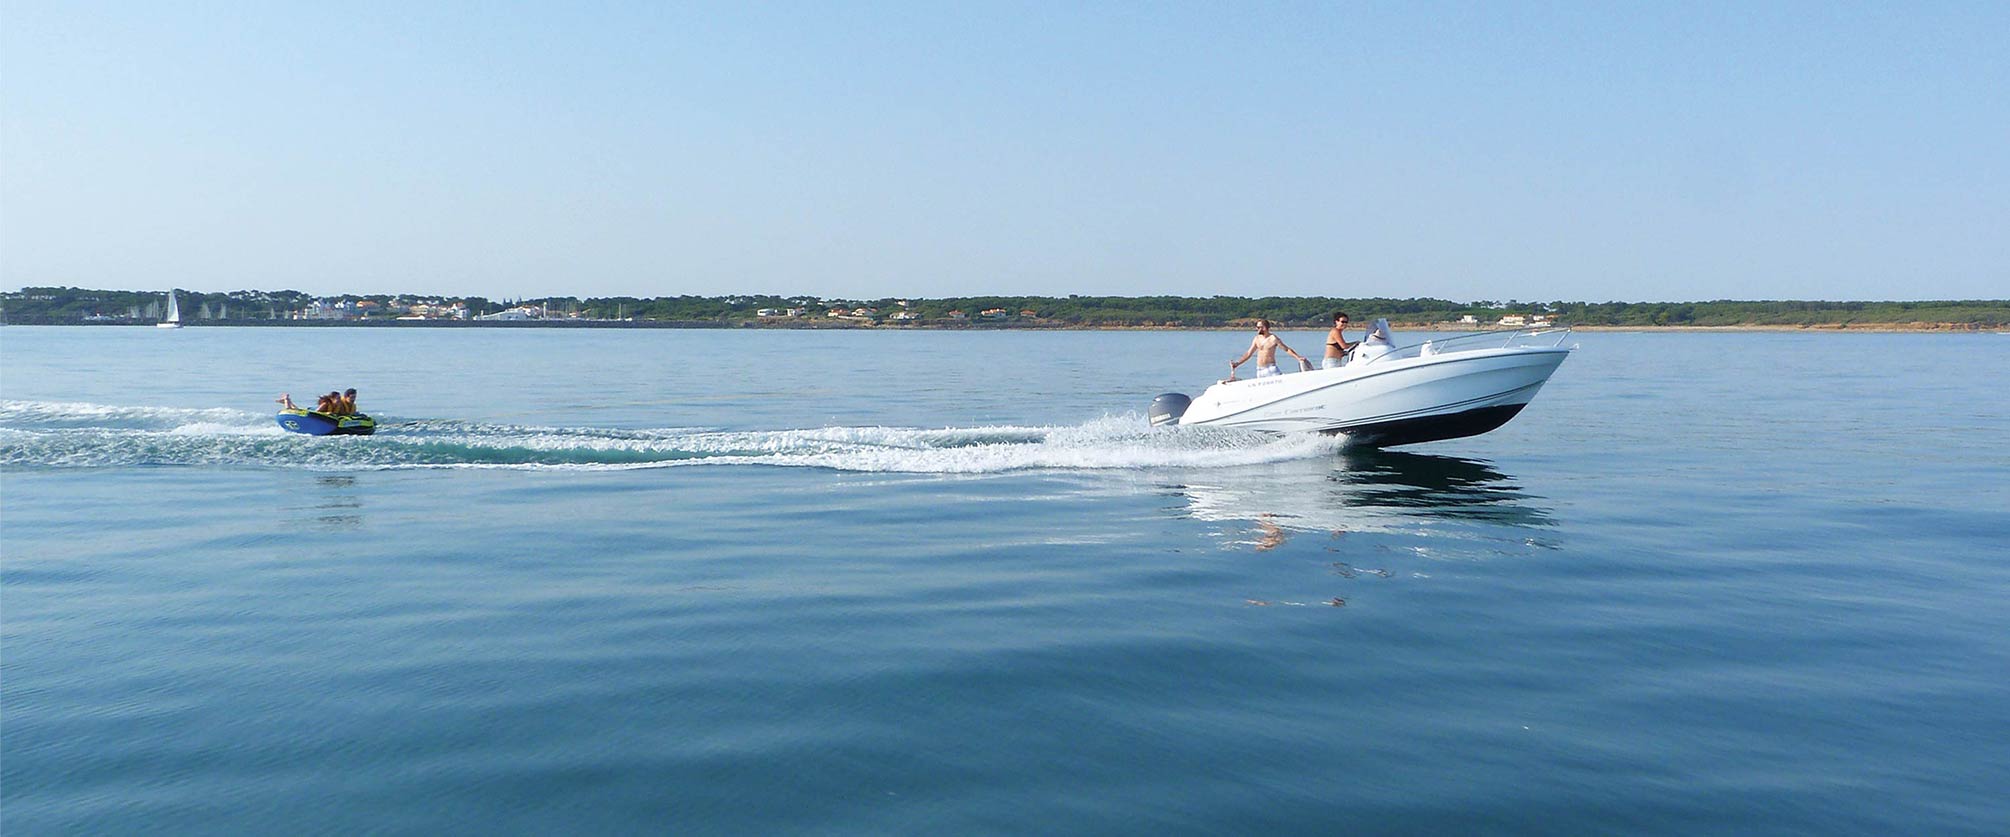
<point>37,434</point>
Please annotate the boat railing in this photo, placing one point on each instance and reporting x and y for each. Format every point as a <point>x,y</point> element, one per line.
<point>1536,337</point>
<point>1544,337</point>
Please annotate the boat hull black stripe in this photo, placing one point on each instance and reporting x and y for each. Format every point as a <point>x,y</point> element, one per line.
<point>1435,409</point>
<point>1221,419</point>
<point>1431,428</point>
<point>1439,409</point>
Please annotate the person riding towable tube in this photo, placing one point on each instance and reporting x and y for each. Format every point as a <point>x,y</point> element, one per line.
<point>334,403</point>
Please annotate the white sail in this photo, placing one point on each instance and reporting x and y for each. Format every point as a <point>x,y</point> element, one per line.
<point>173,319</point>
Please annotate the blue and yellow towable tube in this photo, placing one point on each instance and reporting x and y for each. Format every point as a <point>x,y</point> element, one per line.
<point>323,424</point>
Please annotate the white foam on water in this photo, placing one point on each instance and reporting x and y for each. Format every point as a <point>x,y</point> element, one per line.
<point>90,435</point>
<point>80,414</point>
<point>1111,442</point>
<point>211,428</point>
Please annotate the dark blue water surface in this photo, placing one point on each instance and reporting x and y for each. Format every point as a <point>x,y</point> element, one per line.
<point>754,582</point>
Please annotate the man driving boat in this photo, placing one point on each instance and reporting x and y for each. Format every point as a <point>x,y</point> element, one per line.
<point>1337,346</point>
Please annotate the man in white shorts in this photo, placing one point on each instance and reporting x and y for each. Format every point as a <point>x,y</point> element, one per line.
<point>1265,347</point>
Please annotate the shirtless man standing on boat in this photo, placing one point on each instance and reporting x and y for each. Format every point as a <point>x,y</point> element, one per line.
<point>1265,347</point>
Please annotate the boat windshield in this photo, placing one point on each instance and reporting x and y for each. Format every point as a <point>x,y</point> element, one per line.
<point>1545,337</point>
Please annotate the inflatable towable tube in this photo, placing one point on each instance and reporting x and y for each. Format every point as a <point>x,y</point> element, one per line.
<point>324,424</point>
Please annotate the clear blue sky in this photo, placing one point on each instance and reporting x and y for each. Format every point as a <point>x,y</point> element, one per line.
<point>1598,151</point>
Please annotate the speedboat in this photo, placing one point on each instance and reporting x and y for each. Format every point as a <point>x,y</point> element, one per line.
<point>326,424</point>
<point>1384,394</point>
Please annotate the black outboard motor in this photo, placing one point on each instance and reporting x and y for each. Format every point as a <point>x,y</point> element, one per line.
<point>1167,408</point>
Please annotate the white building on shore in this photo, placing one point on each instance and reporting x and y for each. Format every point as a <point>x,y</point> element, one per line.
<point>324,310</point>
<point>517,314</point>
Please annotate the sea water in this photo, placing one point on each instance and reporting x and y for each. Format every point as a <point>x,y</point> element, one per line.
<point>621,581</point>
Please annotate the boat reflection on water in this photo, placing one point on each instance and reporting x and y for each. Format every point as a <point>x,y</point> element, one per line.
<point>1367,491</point>
<point>1446,487</point>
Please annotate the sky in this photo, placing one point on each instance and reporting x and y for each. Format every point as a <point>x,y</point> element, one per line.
<point>1496,150</point>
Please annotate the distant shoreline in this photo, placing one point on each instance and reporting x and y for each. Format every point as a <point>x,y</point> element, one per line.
<point>813,325</point>
<point>1857,328</point>
<point>59,305</point>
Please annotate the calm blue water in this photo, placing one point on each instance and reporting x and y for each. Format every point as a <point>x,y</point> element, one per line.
<point>751,582</point>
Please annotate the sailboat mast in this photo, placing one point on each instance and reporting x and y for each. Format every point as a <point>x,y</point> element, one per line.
<point>173,319</point>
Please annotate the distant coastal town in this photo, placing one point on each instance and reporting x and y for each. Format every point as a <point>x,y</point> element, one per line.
<point>80,306</point>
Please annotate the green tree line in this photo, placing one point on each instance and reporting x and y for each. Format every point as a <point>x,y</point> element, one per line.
<point>56,305</point>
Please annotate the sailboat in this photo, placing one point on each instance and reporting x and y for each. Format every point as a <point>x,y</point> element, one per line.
<point>174,313</point>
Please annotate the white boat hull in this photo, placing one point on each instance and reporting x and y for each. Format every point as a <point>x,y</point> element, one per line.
<point>1399,401</point>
